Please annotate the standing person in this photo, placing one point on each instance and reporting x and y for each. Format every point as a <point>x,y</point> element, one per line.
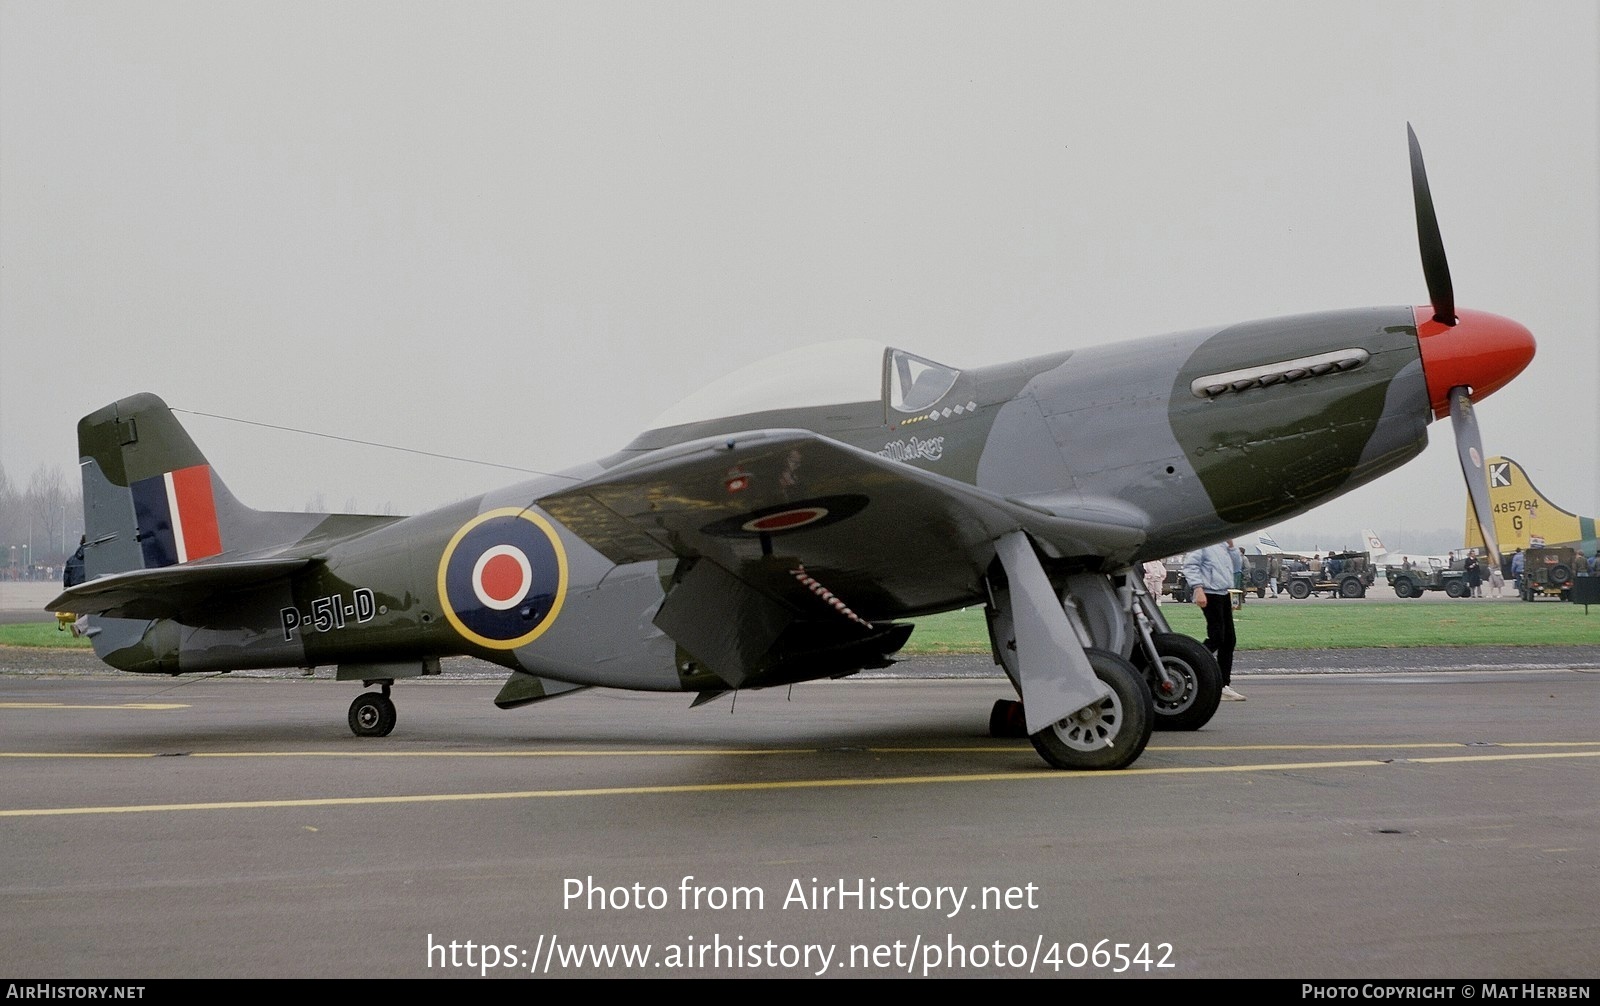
<point>1517,562</point>
<point>1237,555</point>
<point>72,575</point>
<point>1497,580</point>
<point>1155,578</point>
<point>1474,576</point>
<point>1210,572</point>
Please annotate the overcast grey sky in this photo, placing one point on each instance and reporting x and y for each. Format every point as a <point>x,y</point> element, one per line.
<point>518,231</point>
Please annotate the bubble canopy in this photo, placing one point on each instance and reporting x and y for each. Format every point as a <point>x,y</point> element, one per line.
<point>829,373</point>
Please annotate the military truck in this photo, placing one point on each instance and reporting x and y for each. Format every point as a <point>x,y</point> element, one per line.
<point>1339,574</point>
<point>1436,575</point>
<point>1548,572</point>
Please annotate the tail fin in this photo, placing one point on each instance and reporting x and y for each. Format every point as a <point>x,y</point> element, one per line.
<point>1373,543</point>
<point>150,497</point>
<point>1524,518</point>
<point>151,500</point>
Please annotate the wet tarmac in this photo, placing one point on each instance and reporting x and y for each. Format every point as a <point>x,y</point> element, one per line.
<point>1365,814</point>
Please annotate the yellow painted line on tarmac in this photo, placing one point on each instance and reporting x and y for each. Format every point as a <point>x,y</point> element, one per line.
<point>1373,747</point>
<point>112,705</point>
<point>1505,757</point>
<point>75,754</point>
<point>579,753</point>
<point>750,787</point>
<point>1007,749</point>
<point>1179,748</point>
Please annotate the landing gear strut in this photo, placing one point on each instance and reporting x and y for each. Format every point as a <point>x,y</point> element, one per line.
<point>372,714</point>
<point>1188,688</point>
<point>1083,707</point>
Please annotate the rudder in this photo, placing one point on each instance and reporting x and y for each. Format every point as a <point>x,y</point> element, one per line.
<point>150,497</point>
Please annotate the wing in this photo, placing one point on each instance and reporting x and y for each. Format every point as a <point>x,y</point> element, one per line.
<point>170,591</point>
<point>785,524</point>
<point>904,540</point>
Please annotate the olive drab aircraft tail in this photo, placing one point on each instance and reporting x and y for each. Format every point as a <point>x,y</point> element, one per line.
<point>778,529</point>
<point>169,545</point>
<point>1525,518</point>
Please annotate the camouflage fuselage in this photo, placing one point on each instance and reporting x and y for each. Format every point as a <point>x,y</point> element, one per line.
<point>1207,434</point>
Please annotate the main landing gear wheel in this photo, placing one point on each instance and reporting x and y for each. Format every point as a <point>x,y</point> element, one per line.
<point>1190,701</point>
<point>1108,734</point>
<point>372,715</point>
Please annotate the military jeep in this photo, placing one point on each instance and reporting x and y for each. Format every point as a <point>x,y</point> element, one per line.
<point>1548,572</point>
<point>1436,575</point>
<point>1339,574</point>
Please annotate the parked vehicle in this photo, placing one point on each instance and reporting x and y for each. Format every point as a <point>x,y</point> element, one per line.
<point>1176,586</point>
<point>1259,571</point>
<point>1415,580</point>
<point>1548,572</point>
<point>1339,574</point>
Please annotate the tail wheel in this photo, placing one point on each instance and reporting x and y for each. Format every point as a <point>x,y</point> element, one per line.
<point>1108,734</point>
<point>372,715</point>
<point>1196,690</point>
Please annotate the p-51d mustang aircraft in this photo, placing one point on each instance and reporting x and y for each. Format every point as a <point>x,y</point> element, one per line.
<point>784,541</point>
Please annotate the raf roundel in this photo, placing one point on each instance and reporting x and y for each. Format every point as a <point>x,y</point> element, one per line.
<point>502,578</point>
<point>785,520</point>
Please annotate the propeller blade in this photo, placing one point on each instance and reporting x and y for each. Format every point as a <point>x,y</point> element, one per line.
<point>1469,448</point>
<point>1434,266</point>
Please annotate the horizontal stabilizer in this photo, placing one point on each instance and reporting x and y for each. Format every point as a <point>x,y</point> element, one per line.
<point>170,591</point>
